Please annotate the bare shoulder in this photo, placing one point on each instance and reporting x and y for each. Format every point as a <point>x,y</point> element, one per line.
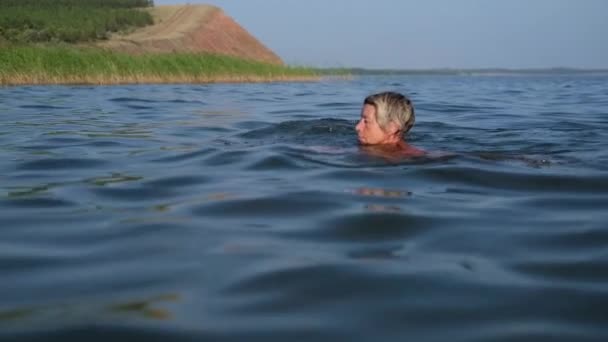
<point>327,149</point>
<point>411,152</point>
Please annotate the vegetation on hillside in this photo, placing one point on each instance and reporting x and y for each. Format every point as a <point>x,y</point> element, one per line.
<point>71,21</point>
<point>79,3</point>
<point>64,64</point>
<point>35,37</point>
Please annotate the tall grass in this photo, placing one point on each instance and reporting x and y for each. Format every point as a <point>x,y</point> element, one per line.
<point>71,65</point>
<point>78,3</point>
<point>68,20</point>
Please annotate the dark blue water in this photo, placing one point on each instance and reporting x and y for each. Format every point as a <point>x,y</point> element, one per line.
<point>248,213</point>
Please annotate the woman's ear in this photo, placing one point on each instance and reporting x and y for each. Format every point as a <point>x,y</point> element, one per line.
<point>394,128</point>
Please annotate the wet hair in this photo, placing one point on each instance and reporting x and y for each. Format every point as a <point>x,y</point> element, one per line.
<point>392,106</point>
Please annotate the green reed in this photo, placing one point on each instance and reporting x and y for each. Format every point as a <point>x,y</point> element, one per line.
<point>63,64</point>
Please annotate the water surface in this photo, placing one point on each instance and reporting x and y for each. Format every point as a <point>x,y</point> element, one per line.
<point>247,212</point>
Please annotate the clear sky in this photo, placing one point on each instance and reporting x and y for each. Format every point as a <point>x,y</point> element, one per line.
<point>427,33</point>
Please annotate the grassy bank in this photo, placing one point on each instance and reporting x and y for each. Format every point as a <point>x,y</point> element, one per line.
<point>42,64</point>
<point>72,3</point>
<point>69,21</point>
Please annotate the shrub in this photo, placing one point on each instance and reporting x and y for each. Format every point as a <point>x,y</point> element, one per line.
<point>52,20</point>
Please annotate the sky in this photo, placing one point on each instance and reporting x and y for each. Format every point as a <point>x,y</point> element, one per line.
<point>408,34</point>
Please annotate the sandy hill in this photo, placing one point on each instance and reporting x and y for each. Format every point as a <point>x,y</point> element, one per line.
<point>193,28</point>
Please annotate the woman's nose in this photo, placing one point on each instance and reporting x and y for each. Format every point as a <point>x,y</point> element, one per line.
<point>357,126</point>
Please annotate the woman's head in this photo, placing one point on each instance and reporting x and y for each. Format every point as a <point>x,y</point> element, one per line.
<point>392,107</point>
<point>384,118</point>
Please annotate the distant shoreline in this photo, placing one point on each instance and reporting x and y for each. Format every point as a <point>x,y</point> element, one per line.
<point>469,72</point>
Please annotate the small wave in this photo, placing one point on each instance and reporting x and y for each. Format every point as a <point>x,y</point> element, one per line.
<point>318,132</point>
<point>132,99</point>
<point>39,203</point>
<point>177,181</point>
<point>278,206</point>
<point>229,157</point>
<point>61,164</point>
<point>133,194</point>
<point>337,105</point>
<point>275,162</point>
<point>514,181</point>
<point>455,108</point>
<point>186,156</point>
<point>43,107</point>
<point>290,111</point>
<point>576,270</point>
<point>379,224</point>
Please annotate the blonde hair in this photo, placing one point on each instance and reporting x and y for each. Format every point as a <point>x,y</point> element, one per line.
<point>392,107</point>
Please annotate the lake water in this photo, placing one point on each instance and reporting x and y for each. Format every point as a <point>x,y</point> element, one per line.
<point>248,213</point>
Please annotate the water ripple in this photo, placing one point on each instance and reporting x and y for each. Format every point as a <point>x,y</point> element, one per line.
<point>286,205</point>
<point>60,164</point>
<point>379,223</point>
<point>248,212</point>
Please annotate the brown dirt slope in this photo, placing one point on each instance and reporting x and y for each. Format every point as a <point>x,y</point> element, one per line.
<point>193,28</point>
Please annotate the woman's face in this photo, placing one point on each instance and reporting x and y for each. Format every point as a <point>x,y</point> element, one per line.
<point>368,129</point>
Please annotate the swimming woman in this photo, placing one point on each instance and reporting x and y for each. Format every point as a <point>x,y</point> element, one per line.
<point>385,118</point>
